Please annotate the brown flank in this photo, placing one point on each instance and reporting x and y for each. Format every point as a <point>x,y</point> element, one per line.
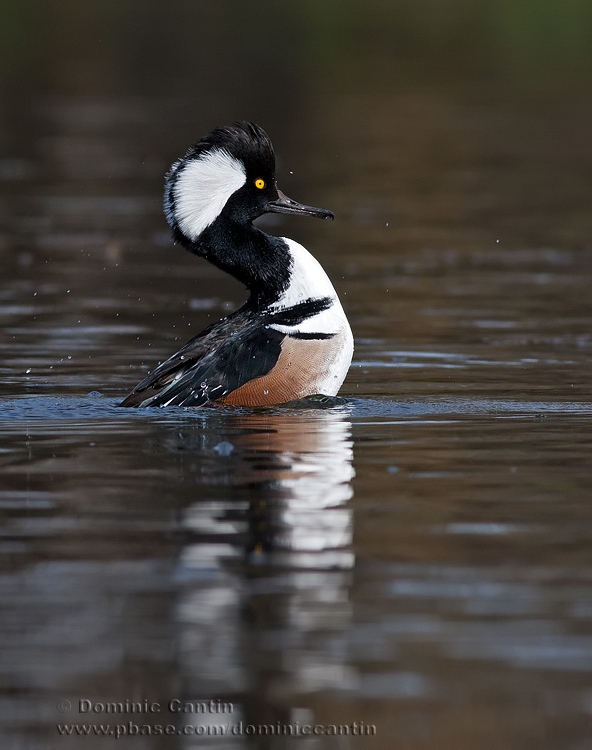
<point>302,365</point>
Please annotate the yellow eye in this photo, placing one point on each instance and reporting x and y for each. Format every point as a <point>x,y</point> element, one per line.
<point>260,183</point>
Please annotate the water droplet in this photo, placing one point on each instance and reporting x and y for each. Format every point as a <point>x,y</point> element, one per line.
<point>266,393</point>
<point>224,448</point>
<point>28,371</point>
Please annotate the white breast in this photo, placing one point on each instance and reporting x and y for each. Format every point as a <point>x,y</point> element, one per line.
<point>308,279</point>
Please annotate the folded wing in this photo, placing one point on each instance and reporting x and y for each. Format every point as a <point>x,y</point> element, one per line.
<point>212,365</point>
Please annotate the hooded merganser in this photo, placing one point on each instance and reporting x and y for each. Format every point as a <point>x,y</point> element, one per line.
<point>291,339</point>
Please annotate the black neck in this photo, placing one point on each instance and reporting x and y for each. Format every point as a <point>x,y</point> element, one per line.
<point>258,260</point>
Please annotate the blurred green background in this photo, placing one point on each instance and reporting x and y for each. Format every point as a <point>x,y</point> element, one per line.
<point>233,50</point>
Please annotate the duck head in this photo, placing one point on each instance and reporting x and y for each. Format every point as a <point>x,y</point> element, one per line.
<point>228,177</point>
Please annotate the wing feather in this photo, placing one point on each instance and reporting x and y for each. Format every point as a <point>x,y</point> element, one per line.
<point>213,364</point>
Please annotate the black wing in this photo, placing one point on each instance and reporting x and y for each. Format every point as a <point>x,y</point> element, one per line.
<point>223,357</point>
<point>216,362</point>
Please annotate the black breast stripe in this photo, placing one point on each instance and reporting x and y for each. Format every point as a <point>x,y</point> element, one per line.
<point>310,336</point>
<point>293,316</point>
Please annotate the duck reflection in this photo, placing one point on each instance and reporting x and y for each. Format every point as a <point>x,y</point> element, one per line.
<point>267,574</point>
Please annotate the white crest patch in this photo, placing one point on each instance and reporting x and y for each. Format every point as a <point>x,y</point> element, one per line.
<point>202,189</point>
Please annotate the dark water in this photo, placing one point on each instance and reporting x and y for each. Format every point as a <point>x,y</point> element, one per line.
<point>416,559</point>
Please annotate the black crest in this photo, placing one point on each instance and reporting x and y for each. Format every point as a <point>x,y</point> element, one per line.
<point>243,140</point>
